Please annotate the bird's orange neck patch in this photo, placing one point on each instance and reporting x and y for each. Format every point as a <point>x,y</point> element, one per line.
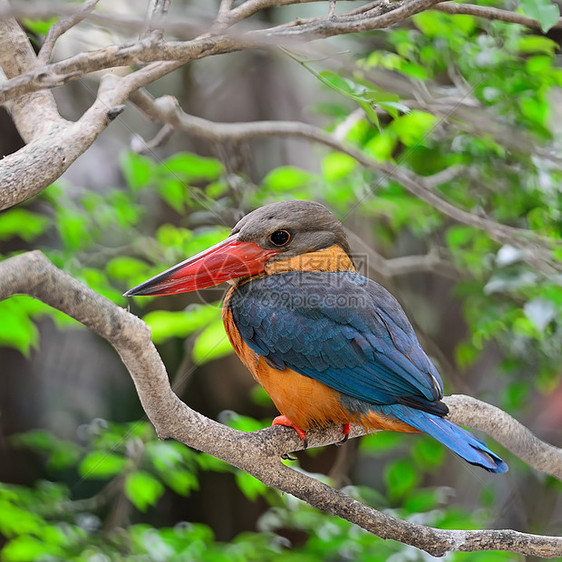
<point>333,258</point>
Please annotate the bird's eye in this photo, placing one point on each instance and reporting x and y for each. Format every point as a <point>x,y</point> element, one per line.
<point>280,237</point>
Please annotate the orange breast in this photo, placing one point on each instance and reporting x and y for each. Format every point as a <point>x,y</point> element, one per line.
<point>305,401</point>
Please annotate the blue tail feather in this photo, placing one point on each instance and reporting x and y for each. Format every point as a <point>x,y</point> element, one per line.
<point>452,436</point>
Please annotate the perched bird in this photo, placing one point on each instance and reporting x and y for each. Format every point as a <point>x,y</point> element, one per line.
<point>327,344</point>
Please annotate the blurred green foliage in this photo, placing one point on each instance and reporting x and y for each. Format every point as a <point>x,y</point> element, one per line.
<point>113,241</point>
<point>128,461</point>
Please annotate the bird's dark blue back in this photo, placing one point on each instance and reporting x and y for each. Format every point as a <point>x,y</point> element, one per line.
<point>341,329</point>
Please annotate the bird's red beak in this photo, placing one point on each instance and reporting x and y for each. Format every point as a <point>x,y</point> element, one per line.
<point>229,259</point>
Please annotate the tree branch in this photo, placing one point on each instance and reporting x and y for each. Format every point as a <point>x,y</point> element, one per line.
<point>124,23</point>
<point>50,138</point>
<point>167,109</point>
<point>259,452</point>
<point>468,411</point>
<point>61,27</point>
<point>491,13</point>
<point>159,10</point>
<point>382,16</point>
<point>64,142</point>
<point>145,51</point>
<point>36,113</point>
<point>142,52</point>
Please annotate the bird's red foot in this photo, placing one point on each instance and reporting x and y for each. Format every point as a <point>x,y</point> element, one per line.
<point>346,430</point>
<point>284,420</point>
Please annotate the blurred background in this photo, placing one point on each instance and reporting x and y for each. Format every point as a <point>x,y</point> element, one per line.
<point>472,104</point>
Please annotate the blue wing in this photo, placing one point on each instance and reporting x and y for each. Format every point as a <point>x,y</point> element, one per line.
<point>341,329</point>
<point>349,333</point>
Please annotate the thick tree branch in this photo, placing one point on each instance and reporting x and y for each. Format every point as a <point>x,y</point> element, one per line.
<point>259,452</point>
<point>379,15</point>
<point>64,142</point>
<point>142,52</point>
<point>50,138</point>
<point>36,113</point>
<point>146,51</point>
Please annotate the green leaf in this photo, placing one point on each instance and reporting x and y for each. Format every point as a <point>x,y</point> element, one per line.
<point>17,521</point>
<point>123,268</point>
<point>203,240</point>
<point>381,146</point>
<point>62,454</point>
<point>337,165</point>
<point>459,236</point>
<point>25,548</point>
<point>336,82</point>
<point>414,70</point>
<point>285,178</point>
<point>138,170</point>
<point>421,500</point>
<point>358,131</point>
<point>143,489</point>
<point>102,465</point>
<point>22,223</point>
<point>465,354</point>
<point>535,109</point>
<point>165,455</point>
<point>123,209</point>
<point>216,189</point>
<point>381,442</point>
<point>193,167</point>
<point>98,281</point>
<point>401,477</point>
<point>73,229</point>
<point>412,128</point>
<point>251,487</point>
<point>170,235</point>
<point>259,396</point>
<point>441,26</point>
<point>16,328</point>
<point>166,324</point>
<point>243,423</point>
<point>545,12</point>
<point>211,344</point>
<point>181,481</point>
<point>174,192</point>
<point>40,27</point>
<point>536,44</point>
<point>428,453</point>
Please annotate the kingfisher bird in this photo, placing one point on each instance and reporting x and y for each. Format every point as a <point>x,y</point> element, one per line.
<point>327,344</point>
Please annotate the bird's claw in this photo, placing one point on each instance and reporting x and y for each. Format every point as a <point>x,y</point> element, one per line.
<point>284,420</point>
<point>288,457</point>
<point>346,430</point>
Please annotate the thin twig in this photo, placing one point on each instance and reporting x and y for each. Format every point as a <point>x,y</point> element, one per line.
<point>62,26</point>
<point>155,28</point>
<point>141,146</point>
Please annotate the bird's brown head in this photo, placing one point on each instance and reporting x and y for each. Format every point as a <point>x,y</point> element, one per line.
<point>273,233</point>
